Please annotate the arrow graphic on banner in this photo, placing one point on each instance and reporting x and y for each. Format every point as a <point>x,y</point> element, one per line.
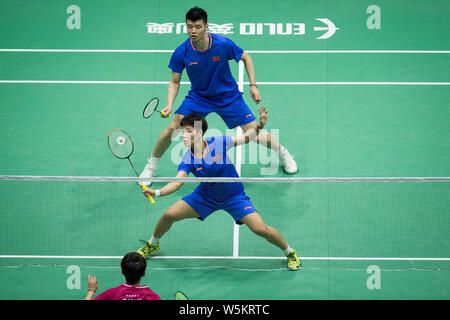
<point>330,28</point>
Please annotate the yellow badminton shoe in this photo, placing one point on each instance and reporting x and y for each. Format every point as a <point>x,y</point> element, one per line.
<point>148,249</point>
<point>293,261</point>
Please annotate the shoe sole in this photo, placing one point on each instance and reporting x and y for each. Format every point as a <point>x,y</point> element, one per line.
<point>147,185</point>
<point>153,252</point>
<point>294,269</point>
<point>289,172</point>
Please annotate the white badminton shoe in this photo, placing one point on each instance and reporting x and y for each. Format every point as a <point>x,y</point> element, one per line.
<point>289,164</point>
<point>148,172</point>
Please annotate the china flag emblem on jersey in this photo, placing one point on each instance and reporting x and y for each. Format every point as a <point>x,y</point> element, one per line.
<point>216,58</point>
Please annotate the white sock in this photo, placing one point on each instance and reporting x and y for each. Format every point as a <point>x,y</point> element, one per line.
<point>282,149</point>
<point>154,240</point>
<point>154,161</point>
<point>288,250</point>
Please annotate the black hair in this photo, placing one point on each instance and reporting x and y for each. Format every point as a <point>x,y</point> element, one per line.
<point>197,13</point>
<point>191,119</point>
<point>133,267</point>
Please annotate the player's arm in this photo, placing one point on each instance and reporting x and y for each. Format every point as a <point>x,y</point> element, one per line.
<point>172,92</point>
<point>92,287</point>
<point>250,135</point>
<point>250,68</point>
<point>169,188</point>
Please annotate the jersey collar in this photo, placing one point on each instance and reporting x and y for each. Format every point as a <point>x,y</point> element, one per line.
<point>209,47</point>
<point>207,150</point>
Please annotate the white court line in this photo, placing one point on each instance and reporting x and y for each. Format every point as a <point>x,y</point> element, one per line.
<point>86,82</point>
<point>340,83</point>
<point>349,51</point>
<point>249,51</point>
<point>225,258</point>
<point>239,132</point>
<point>358,83</point>
<point>86,50</point>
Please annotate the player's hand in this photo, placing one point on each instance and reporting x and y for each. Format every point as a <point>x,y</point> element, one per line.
<point>262,116</point>
<point>166,112</point>
<point>92,283</point>
<point>254,93</point>
<point>148,191</point>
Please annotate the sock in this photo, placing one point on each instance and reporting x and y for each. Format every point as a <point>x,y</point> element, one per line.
<point>282,149</point>
<point>288,250</point>
<point>154,161</point>
<point>154,240</point>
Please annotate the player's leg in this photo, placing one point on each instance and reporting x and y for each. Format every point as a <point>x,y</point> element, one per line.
<point>255,223</point>
<point>162,144</point>
<point>165,138</point>
<point>178,211</point>
<point>239,114</point>
<point>266,139</point>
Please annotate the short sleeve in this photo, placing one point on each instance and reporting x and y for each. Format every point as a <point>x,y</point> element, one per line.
<point>177,60</point>
<point>186,163</point>
<point>233,51</point>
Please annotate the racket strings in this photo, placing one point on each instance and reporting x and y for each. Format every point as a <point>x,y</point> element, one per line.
<point>150,108</point>
<point>120,143</point>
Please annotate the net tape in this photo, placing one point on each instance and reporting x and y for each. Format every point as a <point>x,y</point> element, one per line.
<point>252,179</point>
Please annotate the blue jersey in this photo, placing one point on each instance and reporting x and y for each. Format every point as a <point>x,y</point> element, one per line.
<point>208,70</point>
<point>216,163</point>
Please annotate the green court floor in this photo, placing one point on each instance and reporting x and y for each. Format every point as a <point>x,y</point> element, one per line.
<point>365,102</point>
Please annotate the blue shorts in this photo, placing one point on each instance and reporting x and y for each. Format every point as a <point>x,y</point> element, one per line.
<point>237,206</point>
<point>236,113</point>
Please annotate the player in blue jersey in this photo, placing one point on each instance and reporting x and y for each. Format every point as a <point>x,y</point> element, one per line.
<point>208,158</point>
<point>205,57</point>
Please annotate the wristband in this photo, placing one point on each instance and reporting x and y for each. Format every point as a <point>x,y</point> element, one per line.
<point>253,84</point>
<point>157,193</point>
<point>92,289</point>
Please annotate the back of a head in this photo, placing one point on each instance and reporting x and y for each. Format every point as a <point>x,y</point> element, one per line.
<point>133,267</point>
<point>197,13</point>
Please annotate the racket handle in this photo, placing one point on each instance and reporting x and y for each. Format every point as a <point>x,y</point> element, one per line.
<point>163,113</point>
<point>149,196</point>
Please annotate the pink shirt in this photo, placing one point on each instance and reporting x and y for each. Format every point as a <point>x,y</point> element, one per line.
<point>128,292</point>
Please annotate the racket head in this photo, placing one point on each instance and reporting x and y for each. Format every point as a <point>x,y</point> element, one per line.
<point>180,296</point>
<point>150,108</point>
<point>120,144</point>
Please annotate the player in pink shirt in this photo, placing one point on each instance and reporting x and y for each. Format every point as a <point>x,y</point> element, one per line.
<point>133,268</point>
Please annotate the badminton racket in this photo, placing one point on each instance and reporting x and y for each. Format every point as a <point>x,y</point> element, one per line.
<point>150,108</point>
<point>122,147</point>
